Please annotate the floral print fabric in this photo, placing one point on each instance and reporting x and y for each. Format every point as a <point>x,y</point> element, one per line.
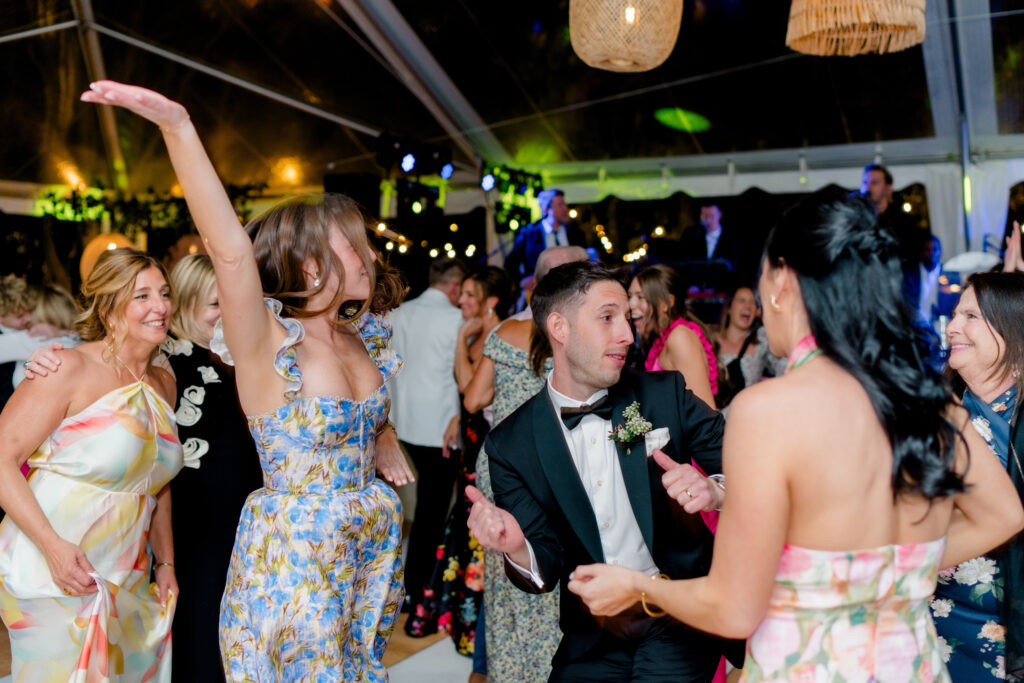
<point>969,597</point>
<point>95,477</point>
<point>525,626</point>
<point>858,616</point>
<point>315,580</point>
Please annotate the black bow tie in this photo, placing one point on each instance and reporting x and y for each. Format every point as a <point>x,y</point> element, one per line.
<point>602,407</point>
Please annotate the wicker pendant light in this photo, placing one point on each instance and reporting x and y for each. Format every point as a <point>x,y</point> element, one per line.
<point>854,27</point>
<point>624,35</point>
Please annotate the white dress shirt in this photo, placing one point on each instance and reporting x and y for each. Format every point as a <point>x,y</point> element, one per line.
<point>929,291</point>
<point>424,395</point>
<point>597,463</point>
<point>711,239</point>
<point>554,235</point>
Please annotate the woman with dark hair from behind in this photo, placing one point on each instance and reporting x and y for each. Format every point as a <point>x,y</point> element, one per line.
<point>314,583</point>
<point>979,604</point>
<point>852,479</point>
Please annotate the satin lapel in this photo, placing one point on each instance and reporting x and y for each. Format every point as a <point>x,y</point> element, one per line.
<point>560,470</point>
<point>633,462</point>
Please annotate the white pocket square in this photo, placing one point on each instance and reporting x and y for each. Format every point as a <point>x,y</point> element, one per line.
<point>656,438</point>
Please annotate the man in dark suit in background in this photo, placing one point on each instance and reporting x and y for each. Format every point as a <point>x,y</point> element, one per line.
<point>709,241</point>
<point>567,495</point>
<point>552,230</point>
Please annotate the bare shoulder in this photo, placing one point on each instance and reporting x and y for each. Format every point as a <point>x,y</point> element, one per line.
<point>163,382</point>
<point>516,332</point>
<point>682,336</point>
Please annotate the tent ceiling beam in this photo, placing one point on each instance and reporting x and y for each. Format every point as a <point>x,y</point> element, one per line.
<point>41,31</point>
<point>940,70</point>
<point>235,80</point>
<point>418,71</point>
<point>977,69</point>
<point>93,55</point>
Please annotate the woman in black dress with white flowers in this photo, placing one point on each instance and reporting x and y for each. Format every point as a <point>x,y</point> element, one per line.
<point>221,470</point>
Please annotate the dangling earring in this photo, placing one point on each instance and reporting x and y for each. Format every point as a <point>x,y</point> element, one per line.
<point>316,279</point>
<point>1015,373</point>
<point>774,304</point>
<point>490,313</point>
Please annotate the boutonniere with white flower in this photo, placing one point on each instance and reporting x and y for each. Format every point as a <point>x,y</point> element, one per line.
<point>634,428</point>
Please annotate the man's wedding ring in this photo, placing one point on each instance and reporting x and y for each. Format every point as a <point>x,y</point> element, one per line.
<point>688,493</point>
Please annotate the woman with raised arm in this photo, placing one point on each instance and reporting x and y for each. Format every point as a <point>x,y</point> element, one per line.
<point>99,439</point>
<point>852,479</point>
<point>314,584</point>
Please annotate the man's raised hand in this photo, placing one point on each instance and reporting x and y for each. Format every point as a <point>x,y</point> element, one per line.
<point>685,485</point>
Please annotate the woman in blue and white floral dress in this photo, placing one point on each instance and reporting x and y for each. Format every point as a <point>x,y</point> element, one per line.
<point>315,579</point>
<point>971,611</point>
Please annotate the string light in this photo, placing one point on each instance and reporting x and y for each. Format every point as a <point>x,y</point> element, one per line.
<point>390,245</point>
<point>433,253</point>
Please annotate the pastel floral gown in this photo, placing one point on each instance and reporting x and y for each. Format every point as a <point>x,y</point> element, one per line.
<point>857,616</point>
<point>315,580</point>
<point>95,477</point>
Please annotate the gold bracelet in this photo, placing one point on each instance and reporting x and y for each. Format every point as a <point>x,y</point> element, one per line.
<point>643,599</point>
<point>178,126</point>
<point>163,564</point>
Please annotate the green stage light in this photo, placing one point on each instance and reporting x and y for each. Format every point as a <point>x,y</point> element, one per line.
<point>417,207</point>
<point>681,119</point>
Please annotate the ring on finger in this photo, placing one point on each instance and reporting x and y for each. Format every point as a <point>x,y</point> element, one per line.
<point>688,493</point>
<point>66,591</point>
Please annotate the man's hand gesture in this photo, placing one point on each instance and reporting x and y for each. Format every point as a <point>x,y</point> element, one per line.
<point>494,528</point>
<point>685,485</point>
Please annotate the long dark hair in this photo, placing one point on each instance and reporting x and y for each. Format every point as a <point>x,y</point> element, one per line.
<point>849,274</point>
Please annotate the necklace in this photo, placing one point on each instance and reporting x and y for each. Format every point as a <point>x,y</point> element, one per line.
<point>125,365</point>
<point>806,349</point>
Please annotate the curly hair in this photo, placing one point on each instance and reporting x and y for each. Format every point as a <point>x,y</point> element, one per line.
<point>298,230</point>
<point>849,273</point>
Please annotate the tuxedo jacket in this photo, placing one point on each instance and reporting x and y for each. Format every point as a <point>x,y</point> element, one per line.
<point>522,259</point>
<point>534,479</point>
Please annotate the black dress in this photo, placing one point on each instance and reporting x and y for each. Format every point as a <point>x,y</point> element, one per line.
<point>221,470</point>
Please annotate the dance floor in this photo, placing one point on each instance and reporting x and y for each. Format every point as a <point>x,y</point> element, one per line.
<point>410,660</point>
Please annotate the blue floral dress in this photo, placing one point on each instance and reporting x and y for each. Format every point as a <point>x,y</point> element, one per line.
<point>315,580</point>
<point>968,598</point>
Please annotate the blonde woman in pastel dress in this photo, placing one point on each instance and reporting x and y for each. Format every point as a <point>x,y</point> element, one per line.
<point>315,580</point>
<point>99,438</point>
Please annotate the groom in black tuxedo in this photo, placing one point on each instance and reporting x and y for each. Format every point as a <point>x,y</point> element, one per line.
<point>566,495</point>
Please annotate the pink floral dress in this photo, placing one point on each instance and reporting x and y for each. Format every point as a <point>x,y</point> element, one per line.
<point>853,616</point>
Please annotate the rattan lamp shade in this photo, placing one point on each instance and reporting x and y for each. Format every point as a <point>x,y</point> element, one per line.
<point>854,27</point>
<point>624,35</point>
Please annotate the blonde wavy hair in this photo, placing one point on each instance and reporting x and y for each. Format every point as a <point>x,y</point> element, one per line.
<point>55,307</point>
<point>191,280</point>
<point>16,295</point>
<point>107,291</point>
